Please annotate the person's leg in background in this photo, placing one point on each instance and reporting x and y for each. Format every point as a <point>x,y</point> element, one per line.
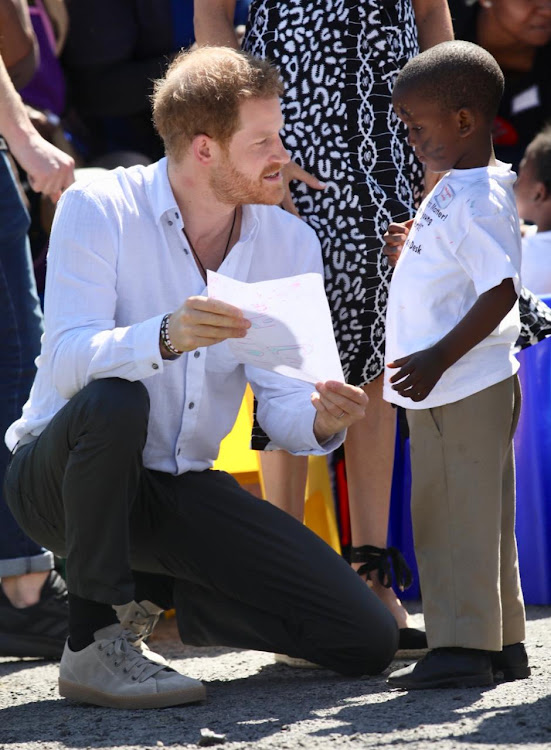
<point>33,600</point>
<point>284,477</point>
<point>369,456</point>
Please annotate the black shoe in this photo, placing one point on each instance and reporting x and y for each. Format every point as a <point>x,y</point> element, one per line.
<point>40,630</point>
<point>412,639</point>
<point>446,668</point>
<point>511,663</point>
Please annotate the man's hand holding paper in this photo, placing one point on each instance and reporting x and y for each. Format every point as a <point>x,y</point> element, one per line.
<point>291,333</point>
<point>338,405</point>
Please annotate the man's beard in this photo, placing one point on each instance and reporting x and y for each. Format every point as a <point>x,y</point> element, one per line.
<point>235,188</point>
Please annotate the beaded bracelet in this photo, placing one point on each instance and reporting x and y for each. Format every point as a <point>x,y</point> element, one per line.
<point>165,338</point>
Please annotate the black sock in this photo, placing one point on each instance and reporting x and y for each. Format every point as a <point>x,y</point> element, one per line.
<point>85,617</point>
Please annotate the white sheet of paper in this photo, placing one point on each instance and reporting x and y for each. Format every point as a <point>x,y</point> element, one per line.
<point>291,331</point>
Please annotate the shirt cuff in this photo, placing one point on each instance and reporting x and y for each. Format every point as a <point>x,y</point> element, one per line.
<point>147,354</point>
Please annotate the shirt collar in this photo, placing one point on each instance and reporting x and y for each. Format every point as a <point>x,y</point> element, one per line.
<point>159,192</point>
<point>161,199</point>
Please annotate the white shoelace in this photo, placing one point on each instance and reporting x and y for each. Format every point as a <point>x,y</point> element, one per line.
<point>141,625</point>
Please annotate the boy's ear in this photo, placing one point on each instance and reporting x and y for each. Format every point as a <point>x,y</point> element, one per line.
<point>541,193</point>
<point>466,122</point>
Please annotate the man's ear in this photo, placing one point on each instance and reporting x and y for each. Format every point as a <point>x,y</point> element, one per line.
<point>202,147</point>
<point>466,122</point>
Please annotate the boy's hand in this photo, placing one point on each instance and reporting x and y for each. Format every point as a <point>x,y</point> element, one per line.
<point>394,238</point>
<point>418,374</point>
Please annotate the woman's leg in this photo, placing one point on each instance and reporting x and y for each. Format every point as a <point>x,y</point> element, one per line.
<point>369,455</point>
<point>284,479</point>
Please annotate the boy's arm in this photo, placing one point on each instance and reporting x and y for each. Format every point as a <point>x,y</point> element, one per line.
<point>213,22</point>
<point>419,372</point>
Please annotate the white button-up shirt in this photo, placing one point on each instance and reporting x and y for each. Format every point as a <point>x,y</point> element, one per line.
<point>118,261</point>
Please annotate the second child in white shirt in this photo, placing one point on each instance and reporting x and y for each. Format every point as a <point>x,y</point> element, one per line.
<point>533,195</point>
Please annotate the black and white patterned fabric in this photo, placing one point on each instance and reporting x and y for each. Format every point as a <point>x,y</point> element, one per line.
<point>339,59</point>
<point>535,319</point>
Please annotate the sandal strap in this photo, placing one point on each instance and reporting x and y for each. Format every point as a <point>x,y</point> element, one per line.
<point>388,562</point>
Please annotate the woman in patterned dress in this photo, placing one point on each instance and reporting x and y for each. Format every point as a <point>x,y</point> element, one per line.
<point>338,59</point>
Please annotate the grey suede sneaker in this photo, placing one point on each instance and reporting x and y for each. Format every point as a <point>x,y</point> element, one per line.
<point>112,672</point>
<point>140,619</point>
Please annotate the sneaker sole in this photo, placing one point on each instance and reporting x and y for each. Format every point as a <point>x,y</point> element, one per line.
<point>22,646</point>
<point>82,694</point>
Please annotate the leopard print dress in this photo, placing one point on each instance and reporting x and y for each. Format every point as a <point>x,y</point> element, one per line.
<point>339,59</point>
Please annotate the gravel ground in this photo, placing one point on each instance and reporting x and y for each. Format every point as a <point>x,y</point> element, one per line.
<point>255,703</point>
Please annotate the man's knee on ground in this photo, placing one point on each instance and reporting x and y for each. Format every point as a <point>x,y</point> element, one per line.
<point>367,650</point>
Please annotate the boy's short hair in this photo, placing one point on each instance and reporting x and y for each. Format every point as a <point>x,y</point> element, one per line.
<point>457,75</point>
<point>540,152</point>
<point>202,92</point>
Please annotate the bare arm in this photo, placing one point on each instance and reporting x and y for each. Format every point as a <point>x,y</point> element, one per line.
<point>49,170</point>
<point>213,21</point>
<point>434,23</point>
<point>17,41</point>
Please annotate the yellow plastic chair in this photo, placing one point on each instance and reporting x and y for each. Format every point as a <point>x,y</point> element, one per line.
<point>235,455</point>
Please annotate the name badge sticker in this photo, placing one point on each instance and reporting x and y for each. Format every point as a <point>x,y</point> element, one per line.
<point>445,197</point>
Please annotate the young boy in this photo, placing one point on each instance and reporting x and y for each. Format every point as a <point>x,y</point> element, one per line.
<point>533,194</point>
<point>452,321</point>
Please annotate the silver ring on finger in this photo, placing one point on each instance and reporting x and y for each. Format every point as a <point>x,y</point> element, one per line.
<point>341,415</point>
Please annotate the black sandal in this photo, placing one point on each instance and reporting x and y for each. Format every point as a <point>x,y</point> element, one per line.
<point>387,561</point>
<point>390,564</point>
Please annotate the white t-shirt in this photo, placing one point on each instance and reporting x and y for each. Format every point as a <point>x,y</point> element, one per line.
<point>536,262</point>
<point>465,240</point>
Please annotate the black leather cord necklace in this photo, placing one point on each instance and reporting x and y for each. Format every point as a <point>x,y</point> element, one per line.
<point>198,259</point>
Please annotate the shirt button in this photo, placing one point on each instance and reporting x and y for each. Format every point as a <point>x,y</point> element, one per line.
<point>196,354</point>
<point>191,405</point>
<point>170,223</point>
<point>155,366</point>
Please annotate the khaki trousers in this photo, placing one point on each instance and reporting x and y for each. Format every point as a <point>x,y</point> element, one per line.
<point>463,511</point>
